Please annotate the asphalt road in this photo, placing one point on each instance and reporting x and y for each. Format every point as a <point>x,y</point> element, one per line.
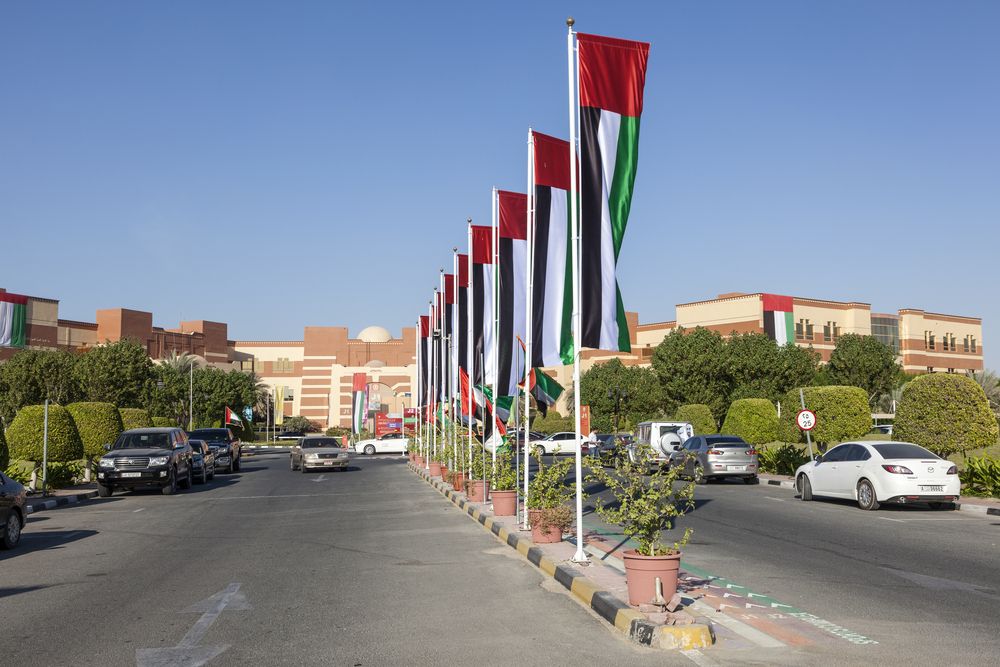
<point>269,567</point>
<point>924,584</point>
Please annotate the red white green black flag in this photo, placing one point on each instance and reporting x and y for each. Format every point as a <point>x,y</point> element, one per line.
<point>13,319</point>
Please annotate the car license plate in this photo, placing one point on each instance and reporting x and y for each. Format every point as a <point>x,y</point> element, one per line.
<point>932,488</point>
<point>131,474</point>
<point>737,467</point>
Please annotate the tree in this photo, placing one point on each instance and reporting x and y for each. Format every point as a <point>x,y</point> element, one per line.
<point>135,418</point>
<point>753,419</point>
<point>990,384</point>
<point>946,414</point>
<point>297,423</point>
<point>31,376</point>
<point>689,366</point>
<point>752,366</point>
<point>842,413</point>
<point>119,373</point>
<point>699,416</point>
<point>638,385</point>
<point>26,435</point>
<point>98,424</point>
<point>863,361</point>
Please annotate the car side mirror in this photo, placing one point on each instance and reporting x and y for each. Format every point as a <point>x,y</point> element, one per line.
<point>107,447</point>
<point>819,459</point>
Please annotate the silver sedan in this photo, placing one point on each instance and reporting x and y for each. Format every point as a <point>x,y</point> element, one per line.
<point>317,451</point>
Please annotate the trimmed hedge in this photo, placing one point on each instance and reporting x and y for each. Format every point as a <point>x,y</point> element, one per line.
<point>135,418</point>
<point>98,424</point>
<point>753,419</point>
<point>700,417</point>
<point>26,434</point>
<point>842,413</point>
<point>4,453</point>
<point>946,414</point>
<point>164,422</point>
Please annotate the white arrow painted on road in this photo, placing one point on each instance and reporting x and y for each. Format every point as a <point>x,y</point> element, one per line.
<point>187,653</point>
<point>319,479</point>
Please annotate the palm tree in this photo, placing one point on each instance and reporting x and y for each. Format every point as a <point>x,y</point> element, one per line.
<point>179,361</point>
<point>990,383</point>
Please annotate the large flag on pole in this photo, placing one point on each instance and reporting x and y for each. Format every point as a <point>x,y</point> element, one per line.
<point>512,269</point>
<point>552,280</point>
<point>461,311</point>
<point>481,287</point>
<point>13,319</point>
<point>447,322</point>
<point>358,402</point>
<point>424,333</point>
<point>612,75</point>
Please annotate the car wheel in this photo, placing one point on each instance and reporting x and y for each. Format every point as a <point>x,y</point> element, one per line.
<point>805,488</point>
<point>369,449</point>
<point>866,496</point>
<point>104,491</point>
<point>751,480</point>
<point>11,531</point>
<point>171,487</point>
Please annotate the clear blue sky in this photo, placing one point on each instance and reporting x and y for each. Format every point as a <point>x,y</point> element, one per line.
<point>277,164</point>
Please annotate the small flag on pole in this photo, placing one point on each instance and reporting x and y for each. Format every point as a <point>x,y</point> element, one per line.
<point>233,417</point>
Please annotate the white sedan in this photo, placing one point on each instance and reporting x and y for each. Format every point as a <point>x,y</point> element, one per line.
<point>564,442</point>
<point>877,472</point>
<point>390,443</point>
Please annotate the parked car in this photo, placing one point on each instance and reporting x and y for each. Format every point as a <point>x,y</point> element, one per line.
<point>318,451</point>
<point>12,499</point>
<point>203,461</point>
<point>517,438</point>
<point>390,443</point>
<point>663,438</point>
<point>611,448</point>
<point>227,448</point>
<point>564,442</point>
<point>877,472</point>
<point>708,457</point>
<point>144,457</point>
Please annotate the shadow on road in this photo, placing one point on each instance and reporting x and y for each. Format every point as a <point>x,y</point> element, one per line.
<point>34,541</point>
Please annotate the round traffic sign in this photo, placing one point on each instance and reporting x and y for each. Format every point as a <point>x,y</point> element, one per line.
<point>806,420</point>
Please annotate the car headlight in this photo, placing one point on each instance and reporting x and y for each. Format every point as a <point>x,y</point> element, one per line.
<point>158,460</point>
<point>106,463</point>
<point>312,457</point>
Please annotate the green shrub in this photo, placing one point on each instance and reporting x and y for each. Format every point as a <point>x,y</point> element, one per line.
<point>98,424</point>
<point>842,413</point>
<point>4,452</point>
<point>20,471</point>
<point>135,418</point>
<point>26,434</point>
<point>946,414</point>
<point>699,416</point>
<point>782,459</point>
<point>504,474</point>
<point>553,422</point>
<point>164,422</point>
<point>547,487</point>
<point>981,476</point>
<point>753,419</point>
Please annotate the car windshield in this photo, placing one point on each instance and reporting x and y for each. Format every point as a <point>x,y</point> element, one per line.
<point>142,441</point>
<point>308,443</point>
<point>211,434</point>
<point>903,450</point>
<point>724,441</point>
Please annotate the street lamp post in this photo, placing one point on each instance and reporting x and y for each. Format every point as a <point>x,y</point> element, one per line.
<point>619,396</point>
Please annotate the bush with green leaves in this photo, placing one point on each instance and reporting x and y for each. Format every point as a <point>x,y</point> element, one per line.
<point>547,487</point>
<point>699,416</point>
<point>753,419</point>
<point>135,418</point>
<point>945,413</point>
<point>783,459</point>
<point>4,453</point>
<point>504,473</point>
<point>19,471</point>
<point>552,422</point>
<point>98,424</point>
<point>164,422</point>
<point>646,505</point>
<point>26,433</point>
<point>981,476</point>
<point>842,413</point>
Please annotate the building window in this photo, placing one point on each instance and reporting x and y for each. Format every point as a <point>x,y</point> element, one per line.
<point>809,330</point>
<point>800,330</point>
<point>973,339</point>
<point>827,332</point>
<point>930,369</point>
<point>965,344</point>
<point>951,370</point>
<point>929,340</point>
<point>283,365</point>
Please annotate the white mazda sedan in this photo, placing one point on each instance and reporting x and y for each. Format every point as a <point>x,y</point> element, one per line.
<point>875,472</point>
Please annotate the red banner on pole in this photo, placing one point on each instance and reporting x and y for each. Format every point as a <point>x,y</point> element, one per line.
<point>584,420</point>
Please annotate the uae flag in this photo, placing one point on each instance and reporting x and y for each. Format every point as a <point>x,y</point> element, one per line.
<point>358,402</point>
<point>461,312</point>
<point>543,389</point>
<point>778,322</point>
<point>611,81</point>
<point>446,325</point>
<point>494,429</point>
<point>424,362</point>
<point>481,300</point>
<point>512,267</point>
<point>13,319</point>
<point>232,417</point>
<point>552,281</point>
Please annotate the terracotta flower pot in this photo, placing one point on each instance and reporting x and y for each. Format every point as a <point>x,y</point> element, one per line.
<point>504,503</point>
<point>435,469</point>
<point>641,573</point>
<point>459,482</point>
<point>550,535</point>
<point>419,460</point>
<point>444,472</point>
<point>478,490</point>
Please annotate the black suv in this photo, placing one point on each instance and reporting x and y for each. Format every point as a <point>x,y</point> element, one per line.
<point>146,457</point>
<point>225,446</point>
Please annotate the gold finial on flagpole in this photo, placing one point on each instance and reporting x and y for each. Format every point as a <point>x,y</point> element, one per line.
<point>570,22</point>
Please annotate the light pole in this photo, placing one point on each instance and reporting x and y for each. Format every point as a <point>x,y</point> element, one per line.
<point>619,396</point>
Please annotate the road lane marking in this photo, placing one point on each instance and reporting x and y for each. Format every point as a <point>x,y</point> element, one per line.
<point>885,518</point>
<point>138,510</point>
<point>319,479</point>
<point>780,500</point>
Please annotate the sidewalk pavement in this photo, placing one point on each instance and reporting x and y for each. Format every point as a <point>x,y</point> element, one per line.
<point>981,506</point>
<point>59,498</point>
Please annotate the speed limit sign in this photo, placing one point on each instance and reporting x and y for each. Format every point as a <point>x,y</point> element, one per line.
<point>806,420</point>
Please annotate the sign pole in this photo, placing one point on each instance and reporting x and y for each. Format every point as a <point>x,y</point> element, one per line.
<point>802,398</point>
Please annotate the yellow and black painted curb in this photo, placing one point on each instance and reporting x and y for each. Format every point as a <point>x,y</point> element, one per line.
<point>635,625</point>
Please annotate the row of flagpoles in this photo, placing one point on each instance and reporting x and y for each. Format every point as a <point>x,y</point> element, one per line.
<point>538,284</point>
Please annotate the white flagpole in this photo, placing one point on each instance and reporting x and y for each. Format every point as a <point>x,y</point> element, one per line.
<point>496,315</point>
<point>572,59</point>
<point>527,320</point>
<point>469,361</point>
<point>453,375</point>
<point>431,387</point>
<point>417,392</point>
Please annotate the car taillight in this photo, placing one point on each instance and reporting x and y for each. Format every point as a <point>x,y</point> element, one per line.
<point>751,452</point>
<point>953,470</point>
<point>898,470</point>
<point>717,452</point>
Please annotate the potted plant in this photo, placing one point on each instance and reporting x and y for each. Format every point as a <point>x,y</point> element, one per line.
<point>458,480</point>
<point>645,507</point>
<point>548,494</point>
<point>476,488</point>
<point>503,485</point>
<point>435,463</point>
<point>445,457</point>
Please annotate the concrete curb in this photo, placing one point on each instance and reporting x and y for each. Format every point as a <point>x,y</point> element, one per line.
<point>635,625</point>
<point>61,501</point>
<point>783,483</point>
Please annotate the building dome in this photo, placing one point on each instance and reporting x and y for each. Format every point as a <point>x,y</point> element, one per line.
<point>374,335</point>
